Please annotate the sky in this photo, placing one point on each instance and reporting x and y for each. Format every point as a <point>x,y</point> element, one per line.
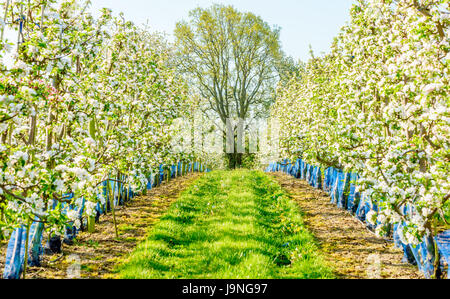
<point>303,22</point>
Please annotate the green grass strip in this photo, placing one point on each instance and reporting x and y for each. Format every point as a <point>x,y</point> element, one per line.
<point>229,225</point>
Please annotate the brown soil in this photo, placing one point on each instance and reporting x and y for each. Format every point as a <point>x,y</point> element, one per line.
<point>100,252</point>
<point>353,251</point>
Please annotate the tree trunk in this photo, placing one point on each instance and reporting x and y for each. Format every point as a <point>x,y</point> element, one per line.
<point>234,160</point>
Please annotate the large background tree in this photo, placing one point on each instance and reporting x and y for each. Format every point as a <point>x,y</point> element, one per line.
<point>233,60</point>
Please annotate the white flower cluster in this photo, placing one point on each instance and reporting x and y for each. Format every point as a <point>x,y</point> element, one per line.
<point>90,208</point>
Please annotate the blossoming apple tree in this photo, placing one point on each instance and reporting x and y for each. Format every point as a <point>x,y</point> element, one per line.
<point>378,105</point>
<point>85,99</point>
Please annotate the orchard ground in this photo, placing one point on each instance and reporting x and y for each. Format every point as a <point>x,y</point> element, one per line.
<point>235,224</point>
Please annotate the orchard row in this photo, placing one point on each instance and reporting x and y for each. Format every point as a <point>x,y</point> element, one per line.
<point>82,99</point>
<point>378,105</point>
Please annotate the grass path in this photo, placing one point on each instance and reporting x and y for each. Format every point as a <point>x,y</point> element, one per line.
<point>237,224</point>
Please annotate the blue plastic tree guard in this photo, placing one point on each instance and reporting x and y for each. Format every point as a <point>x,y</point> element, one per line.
<point>309,174</point>
<point>36,249</point>
<point>149,183</point>
<point>443,242</point>
<point>341,199</point>
<point>338,187</point>
<point>327,182</point>
<point>408,256</point>
<point>423,259</point>
<point>15,253</point>
<point>174,171</point>
<point>161,173</point>
<point>312,177</point>
<point>365,206</point>
<point>353,198</point>
<point>304,170</point>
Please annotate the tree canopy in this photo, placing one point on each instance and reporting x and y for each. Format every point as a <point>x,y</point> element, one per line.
<point>232,59</point>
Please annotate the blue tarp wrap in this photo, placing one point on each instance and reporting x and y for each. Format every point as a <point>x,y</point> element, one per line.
<point>365,206</point>
<point>174,171</point>
<point>352,199</point>
<point>161,173</point>
<point>443,241</point>
<point>15,253</point>
<point>341,196</point>
<point>337,188</point>
<point>304,170</point>
<point>326,175</point>
<point>317,178</point>
<point>424,260</point>
<point>308,173</point>
<point>155,180</point>
<point>298,169</point>
<point>111,200</point>
<point>131,194</point>
<point>329,179</point>
<point>408,256</point>
<point>36,249</point>
<point>332,181</point>
<point>99,210</point>
<point>149,183</point>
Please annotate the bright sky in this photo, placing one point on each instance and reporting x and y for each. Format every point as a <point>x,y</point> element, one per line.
<point>302,22</point>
